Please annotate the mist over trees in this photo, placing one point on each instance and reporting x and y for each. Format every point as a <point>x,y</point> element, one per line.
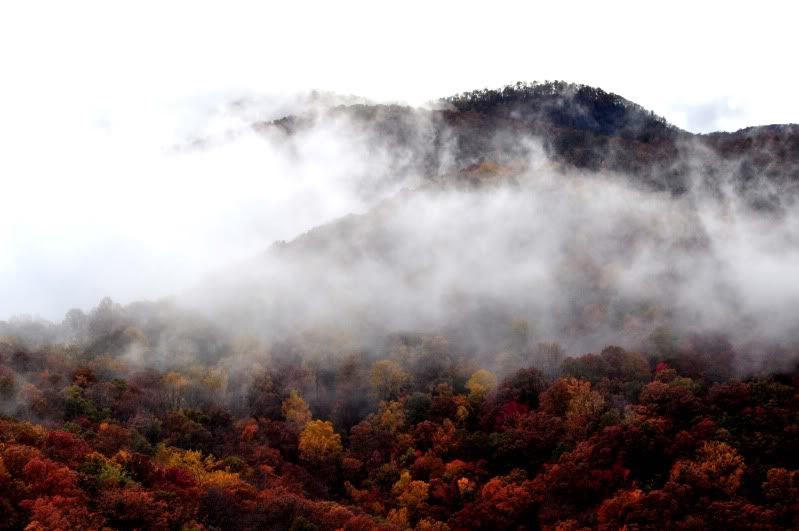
<point>552,310</point>
<point>423,438</point>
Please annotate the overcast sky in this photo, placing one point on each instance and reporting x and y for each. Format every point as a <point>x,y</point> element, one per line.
<point>92,93</point>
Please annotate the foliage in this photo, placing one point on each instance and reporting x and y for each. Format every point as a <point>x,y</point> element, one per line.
<point>388,379</point>
<point>296,411</point>
<point>611,440</point>
<point>480,383</point>
<point>319,443</point>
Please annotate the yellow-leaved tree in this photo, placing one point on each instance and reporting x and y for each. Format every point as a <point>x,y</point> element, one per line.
<point>388,380</point>
<point>410,493</point>
<point>390,416</point>
<point>480,384</point>
<point>296,411</point>
<point>206,470</point>
<point>319,443</point>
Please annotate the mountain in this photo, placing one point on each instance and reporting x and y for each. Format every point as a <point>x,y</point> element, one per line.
<point>579,126</point>
<point>554,203</point>
<point>553,310</point>
<point>569,106</point>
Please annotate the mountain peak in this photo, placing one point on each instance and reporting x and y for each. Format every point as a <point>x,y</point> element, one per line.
<point>566,105</point>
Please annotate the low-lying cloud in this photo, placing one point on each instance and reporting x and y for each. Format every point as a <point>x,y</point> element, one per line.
<point>390,229</point>
<point>143,204</point>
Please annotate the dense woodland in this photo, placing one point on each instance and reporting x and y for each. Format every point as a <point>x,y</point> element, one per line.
<point>415,435</point>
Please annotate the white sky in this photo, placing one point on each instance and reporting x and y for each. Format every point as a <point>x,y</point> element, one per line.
<point>91,91</point>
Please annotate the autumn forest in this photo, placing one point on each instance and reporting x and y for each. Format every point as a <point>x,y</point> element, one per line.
<point>536,307</point>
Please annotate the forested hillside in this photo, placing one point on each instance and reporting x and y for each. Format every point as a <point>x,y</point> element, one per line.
<point>420,438</point>
<point>552,310</point>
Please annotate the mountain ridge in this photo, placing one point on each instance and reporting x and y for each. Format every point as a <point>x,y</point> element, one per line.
<point>580,126</point>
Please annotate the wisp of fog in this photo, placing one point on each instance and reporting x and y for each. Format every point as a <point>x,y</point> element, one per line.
<point>274,226</point>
